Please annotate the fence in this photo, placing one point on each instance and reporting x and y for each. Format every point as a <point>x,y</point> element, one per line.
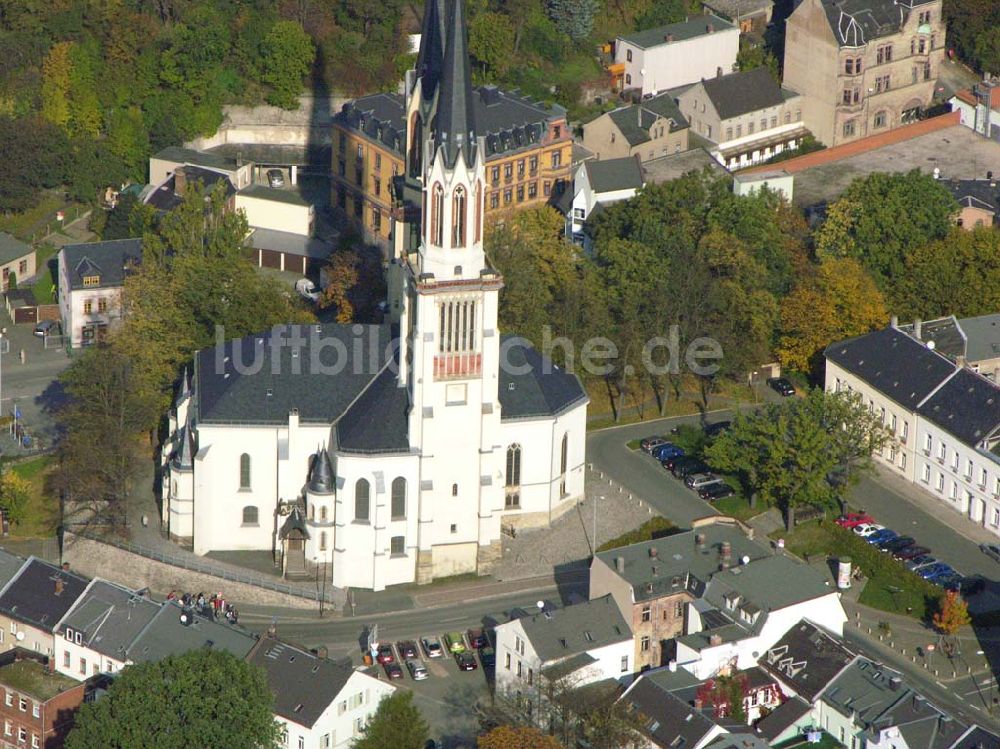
<point>192,565</point>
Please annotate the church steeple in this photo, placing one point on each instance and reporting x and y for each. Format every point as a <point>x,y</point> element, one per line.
<point>455,124</point>
<point>430,59</point>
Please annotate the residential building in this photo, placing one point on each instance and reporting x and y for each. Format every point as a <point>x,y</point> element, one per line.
<point>380,481</point>
<point>175,630</point>
<point>863,66</point>
<point>600,183</point>
<point>288,251</point>
<point>979,200</point>
<point>276,209</point>
<point>94,635</point>
<point>167,195</point>
<point>973,342</point>
<point>165,163</point>
<point>751,16</point>
<point>17,259</point>
<point>91,277</point>
<point>778,181</point>
<point>33,602</point>
<point>573,646</point>
<point>39,705</point>
<point>678,54</point>
<point>980,108</point>
<point>527,148</point>
<point>647,130</point>
<point>747,116</point>
<point>320,704</point>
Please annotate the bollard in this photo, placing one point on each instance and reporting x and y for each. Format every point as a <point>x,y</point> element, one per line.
<point>869,630</point>
<point>891,644</point>
<point>913,659</point>
<point>902,651</point>
<point>968,669</point>
<point>858,623</point>
<point>935,672</point>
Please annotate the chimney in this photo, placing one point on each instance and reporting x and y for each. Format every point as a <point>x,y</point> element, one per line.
<point>672,666</point>
<point>895,683</point>
<point>715,640</point>
<point>321,651</point>
<point>65,566</point>
<point>653,552</point>
<point>725,555</point>
<point>239,158</point>
<point>894,321</point>
<point>918,329</point>
<point>718,72</point>
<point>59,586</point>
<point>709,28</point>
<point>699,540</point>
<point>180,181</point>
<point>620,564</point>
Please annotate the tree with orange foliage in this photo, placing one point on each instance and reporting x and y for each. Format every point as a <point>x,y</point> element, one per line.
<point>520,737</point>
<point>342,276</point>
<point>952,613</point>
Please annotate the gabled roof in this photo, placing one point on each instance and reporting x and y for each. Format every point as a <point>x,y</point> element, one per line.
<point>12,248</point>
<point>166,634</point>
<point>670,722</point>
<point>948,336</point>
<point>635,120</point>
<point>894,363</point>
<point>378,421</point>
<point>109,617</point>
<point>109,260</point>
<point>303,684</point>
<point>569,631</point>
<point>772,725</point>
<point>857,22</point>
<point>609,175</point>
<point>740,93</point>
<point>165,196</point>
<point>738,741</point>
<point>975,193</point>
<point>41,593</point>
<point>532,386</point>
<point>977,738</point>
<point>967,406</point>
<point>807,659</point>
<point>691,28</point>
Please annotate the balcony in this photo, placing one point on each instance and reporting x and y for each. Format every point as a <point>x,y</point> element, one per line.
<point>457,366</point>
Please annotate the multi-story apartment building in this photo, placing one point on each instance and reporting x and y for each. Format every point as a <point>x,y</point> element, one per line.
<point>528,156</point>
<point>39,705</point>
<point>863,66</point>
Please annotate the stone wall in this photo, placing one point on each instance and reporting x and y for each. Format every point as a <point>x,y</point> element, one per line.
<point>268,125</point>
<point>96,559</point>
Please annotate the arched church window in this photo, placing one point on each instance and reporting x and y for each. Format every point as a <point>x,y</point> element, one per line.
<point>477,228</point>
<point>398,498</point>
<point>458,217</point>
<point>362,496</point>
<point>322,514</point>
<point>245,471</point>
<point>437,215</point>
<point>250,516</point>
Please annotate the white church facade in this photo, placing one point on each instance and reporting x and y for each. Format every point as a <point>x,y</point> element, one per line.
<point>391,453</point>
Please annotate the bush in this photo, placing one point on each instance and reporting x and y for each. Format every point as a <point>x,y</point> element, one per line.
<point>656,527</point>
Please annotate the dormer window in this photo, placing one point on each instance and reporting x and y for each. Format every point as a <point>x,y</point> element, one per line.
<point>90,281</point>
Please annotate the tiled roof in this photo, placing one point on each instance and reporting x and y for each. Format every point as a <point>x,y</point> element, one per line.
<point>741,93</point>
<point>12,248</point>
<point>109,617</point>
<point>634,121</point>
<point>378,421</point>
<point>41,593</point>
<point>531,385</point>
<point>692,28</point>
<point>669,721</point>
<point>774,723</point>
<point>110,261</point>
<point>167,635</point>
<point>806,658</point>
<point>948,336</point>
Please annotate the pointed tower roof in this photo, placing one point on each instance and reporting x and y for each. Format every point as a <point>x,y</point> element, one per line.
<point>430,59</point>
<point>455,124</point>
<point>184,459</point>
<point>321,481</point>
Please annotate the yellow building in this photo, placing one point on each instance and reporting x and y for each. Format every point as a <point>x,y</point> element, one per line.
<point>528,156</point>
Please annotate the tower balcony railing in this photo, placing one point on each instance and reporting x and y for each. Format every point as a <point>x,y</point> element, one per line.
<point>456,366</point>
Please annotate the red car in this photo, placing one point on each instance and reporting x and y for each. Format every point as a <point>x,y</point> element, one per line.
<point>385,654</point>
<point>393,670</point>
<point>852,519</point>
<point>477,639</point>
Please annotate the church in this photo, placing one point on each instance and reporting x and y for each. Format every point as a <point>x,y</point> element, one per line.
<point>384,454</point>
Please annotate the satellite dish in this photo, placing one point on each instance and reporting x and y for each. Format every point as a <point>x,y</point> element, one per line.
<point>185,620</point>
<point>19,636</point>
<point>540,605</point>
<point>930,345</point>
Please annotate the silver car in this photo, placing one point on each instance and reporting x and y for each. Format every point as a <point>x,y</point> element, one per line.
<point>432,647</point>
<point>418,671</point>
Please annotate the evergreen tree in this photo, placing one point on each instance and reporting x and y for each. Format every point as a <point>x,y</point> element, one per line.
<point>575,18</point>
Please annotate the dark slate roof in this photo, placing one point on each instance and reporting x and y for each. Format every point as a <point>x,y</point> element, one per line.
<point>378,421</point>
<point>321,477</point>
<point>110,260</point>
<point>263,192</point>
<point>265,394</point>
<point>294,526</point>
<point>754,583</point>
<point>737,94</point>
<point>196,158</point>
<point>9,565</point>
<point>948,336</point>
<point>982,336</point>
<point>967,406</point>
<point>454,125</point>
<point>290,243</point>
<point>609,175</point>
<point>165,197</point>
<point>109,617</point>
<point>894,363</point>
<point>430,59</point>
<point>634,121</point>
<point>561,633</point>
<point>856,22</point>
<point>693,27</point>
<point>12,248</point>
<point>543,390</point>
<point>303,684</point>
<point>978,738</point>
<point>738,741</point>
<point>35,597</point>
<point>806,659</point>
<point>976,193</point>
<point>669,721</point>
<point>166,635</point>
<point>774,724</point>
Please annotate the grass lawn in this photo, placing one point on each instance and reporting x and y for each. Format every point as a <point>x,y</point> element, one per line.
<point>655,527</point>
<point>887,592</point>
<point>633,444</point>
<point>42,512</point>
<point>737,506</point>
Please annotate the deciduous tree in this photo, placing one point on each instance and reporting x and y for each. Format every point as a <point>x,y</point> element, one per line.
<point>288,55</point>
<point>56,73</point>
<point>397,723</point>
<point>15,492</point>
<point>952,614</point>
<point>519,737</point>
<point>491,42</point>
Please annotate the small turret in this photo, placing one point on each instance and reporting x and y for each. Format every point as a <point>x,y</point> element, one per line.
<point>184,457</point>
<point>321,480</point>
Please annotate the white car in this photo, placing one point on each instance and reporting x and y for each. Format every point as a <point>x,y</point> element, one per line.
<point>307,290</point>
<point>418,672</point>
<point>866,529</point>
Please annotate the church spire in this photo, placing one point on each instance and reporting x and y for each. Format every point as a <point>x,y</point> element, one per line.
<point>455,127</point>
<point>432,43</point>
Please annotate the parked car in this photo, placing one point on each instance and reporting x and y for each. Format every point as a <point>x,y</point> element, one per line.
<point>886,534</point>
<point>668,463</point>
<point>972,585</point>
<point>307,290</point>
<point>866,529</point>
<point>432,647</point>
<point>418,671</point>
<point>455,642</point>
<point>713,492</point>
<point>935,570</point>
<point>853,519</point>
<point>407,650</point>
<point>275,178</point>
<point>683,468</point>
<point>44,328</point>
<point>384,654</point>
<point>666,450</point>
<point>781,386</point>
<point>488,657</point>
<point>393,670</point>
<point>477,639</point>
<point>714,430</point>
<point>896,544</point>
<point>951,581</point>
<point>466,661</point>
<point>911,552</point>
<point>916,563</point>
<point>991,550</point>
<point>698,480</point>
<point>648,443</point>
